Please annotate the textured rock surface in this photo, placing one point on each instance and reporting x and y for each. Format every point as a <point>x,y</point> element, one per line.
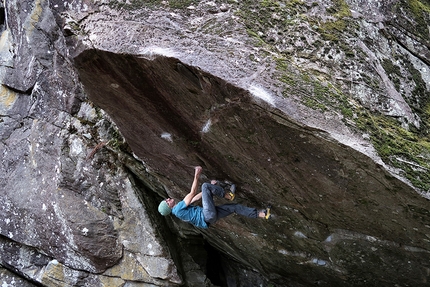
<point>320,108</point>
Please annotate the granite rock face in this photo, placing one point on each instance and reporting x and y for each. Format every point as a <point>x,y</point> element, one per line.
<point>319,108</point>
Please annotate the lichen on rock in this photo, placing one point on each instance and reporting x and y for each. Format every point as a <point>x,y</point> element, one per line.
<point>320,108</point>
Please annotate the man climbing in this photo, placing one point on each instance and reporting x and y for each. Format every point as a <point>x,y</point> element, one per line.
<point>209,214</point>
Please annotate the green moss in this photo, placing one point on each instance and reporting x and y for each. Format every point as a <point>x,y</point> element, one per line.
<point>288,79</point>
<point>273,3</point>
<point>332,30</point>
<point>407,150</point>
<point>269,3</point>
<point>340,9</point>
<point>283,66</point>
<point>179,4</point>
<point>313,103</point>
<point>393,72</point>
<point>418,16</point>
<point>138,4</point>
<point>294,3</point>
<point>420,98</point>
<point>258,16</point>
<point>349,51</point>
<point>419,8</point>
<point>314,93</point>
<point>252,34</point>
<point>117,141</point>
<point>427,111</point>
<point>399,147</point>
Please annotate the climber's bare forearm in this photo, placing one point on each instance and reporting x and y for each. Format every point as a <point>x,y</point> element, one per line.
<point>196,198</point>
<point>190,196</point>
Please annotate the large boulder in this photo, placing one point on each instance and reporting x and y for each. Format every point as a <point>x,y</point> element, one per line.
<point>319,108</point>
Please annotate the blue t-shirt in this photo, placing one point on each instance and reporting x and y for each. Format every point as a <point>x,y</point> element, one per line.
<point>190,213</point>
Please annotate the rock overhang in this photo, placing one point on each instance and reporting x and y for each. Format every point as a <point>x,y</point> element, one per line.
<point>175,116</point>
<point>385,223</point>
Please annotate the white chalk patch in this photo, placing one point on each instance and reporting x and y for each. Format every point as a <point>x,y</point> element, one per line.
<point>151,252</point>
<point>157,51</point>
<point>328,239</point>
<point>167,137</point>
<point>299,234</point>
<point>371,238</point>
<point>207,126</point>
<point>261,93</point>
<point>93,37</point>
<point>76,147</point>
<point>319,262</point>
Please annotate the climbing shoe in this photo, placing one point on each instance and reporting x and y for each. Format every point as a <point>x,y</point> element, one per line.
<point>232,192</point>
<point>267,212</point>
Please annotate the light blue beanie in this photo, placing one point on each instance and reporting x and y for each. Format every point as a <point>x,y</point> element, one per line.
<point>164,209</point>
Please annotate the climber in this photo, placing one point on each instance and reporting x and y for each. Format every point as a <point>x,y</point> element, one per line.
<point>209,214</point>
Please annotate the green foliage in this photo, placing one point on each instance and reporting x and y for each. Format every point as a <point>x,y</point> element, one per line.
<point>427,111</point>
<point>273,3</point>
<point>252,34</point>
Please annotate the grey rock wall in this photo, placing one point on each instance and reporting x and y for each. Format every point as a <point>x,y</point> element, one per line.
<point>317,107</point>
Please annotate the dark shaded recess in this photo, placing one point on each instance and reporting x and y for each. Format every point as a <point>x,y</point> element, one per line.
<point>148,97</point>
<point>14,248</point>
<point>215,271</point>
<point>20,274</point>
<point>137,91</point>
<point>150,202</point>
<point>2,18</point>
<point>27,92</point>
<point>206,256</point>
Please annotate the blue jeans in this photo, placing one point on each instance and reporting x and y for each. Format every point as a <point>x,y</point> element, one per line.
<point>212,213</point>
